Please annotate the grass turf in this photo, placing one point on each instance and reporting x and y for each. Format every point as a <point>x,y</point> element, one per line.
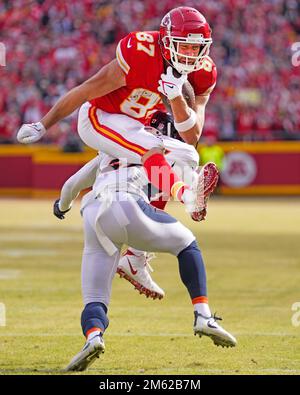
<point>252,253</point>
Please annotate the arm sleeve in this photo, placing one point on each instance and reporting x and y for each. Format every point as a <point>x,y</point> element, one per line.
<point>84,178</point>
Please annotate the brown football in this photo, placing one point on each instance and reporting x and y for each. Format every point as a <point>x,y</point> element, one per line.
<point>187,92</point>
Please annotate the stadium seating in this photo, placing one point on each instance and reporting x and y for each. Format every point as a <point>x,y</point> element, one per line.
<point>53,46</point>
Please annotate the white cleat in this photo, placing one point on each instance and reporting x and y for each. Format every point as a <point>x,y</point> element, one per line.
<point>208,326</point>
<point>135,270</point>
<point>91,350</point>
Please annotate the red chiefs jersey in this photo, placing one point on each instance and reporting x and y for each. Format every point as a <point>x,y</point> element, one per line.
<point>139,56</point>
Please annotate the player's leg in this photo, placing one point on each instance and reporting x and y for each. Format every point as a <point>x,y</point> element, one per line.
<point>134,264</point>
<point>98,270</point>
<point>192,272</point>
<point>158,231</point>
<point>114,134</point>
<point>123,137</point>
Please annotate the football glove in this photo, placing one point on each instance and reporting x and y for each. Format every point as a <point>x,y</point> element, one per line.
<point>57,212</point>
<point>171,86</point>
<point>31,133</point>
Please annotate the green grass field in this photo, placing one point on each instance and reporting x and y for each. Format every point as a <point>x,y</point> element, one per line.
<point>251,249</point>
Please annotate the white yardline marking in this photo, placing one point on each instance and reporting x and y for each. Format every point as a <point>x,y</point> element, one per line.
<point>201,371</point>
<point>142,334</point>
<point>9,274</point>
<point>2,314</point>
<point>47,227</point>
<point>39,237</point>
<point>26,252</point>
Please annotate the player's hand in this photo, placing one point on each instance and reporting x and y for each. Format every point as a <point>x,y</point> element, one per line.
<point>171,86</point>
<point>31,132</point>
<point>57,212</point>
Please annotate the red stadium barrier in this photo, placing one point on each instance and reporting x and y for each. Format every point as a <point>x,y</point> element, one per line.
<point>37,171</point>
<point>271,168</point>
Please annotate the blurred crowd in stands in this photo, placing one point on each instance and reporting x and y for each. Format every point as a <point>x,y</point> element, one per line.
<point>51,46</point>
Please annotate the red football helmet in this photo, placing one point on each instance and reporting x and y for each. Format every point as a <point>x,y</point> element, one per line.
<point>184,25</point>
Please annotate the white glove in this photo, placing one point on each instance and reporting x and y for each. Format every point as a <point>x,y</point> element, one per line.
<point>31,132</point>
<point>171,86</point>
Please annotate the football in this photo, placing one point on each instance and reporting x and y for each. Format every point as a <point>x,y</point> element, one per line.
<point>187,92</point>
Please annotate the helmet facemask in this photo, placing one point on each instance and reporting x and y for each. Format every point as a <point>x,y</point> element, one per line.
<point>191,63</point>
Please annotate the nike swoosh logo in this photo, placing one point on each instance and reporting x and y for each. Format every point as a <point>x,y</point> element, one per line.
<point>211,326</point>
<point>134,272</point>
<point>86,346</point>
<point>170,86</point>
<point>128,44</point>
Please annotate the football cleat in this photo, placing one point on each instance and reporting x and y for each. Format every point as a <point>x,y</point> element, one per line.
<point>135,269</point>
<point>90,352</point>
<point>208,326</point>
<point>203,186</point>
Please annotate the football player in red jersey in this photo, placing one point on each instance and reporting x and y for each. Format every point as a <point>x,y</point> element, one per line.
<point>115,102</point>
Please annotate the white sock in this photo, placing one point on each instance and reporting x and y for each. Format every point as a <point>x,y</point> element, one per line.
<point>203,309</point>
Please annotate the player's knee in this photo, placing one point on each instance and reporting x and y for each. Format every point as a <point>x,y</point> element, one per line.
<point>181,242</point>
<point>191,248</point>
<point>152,151</point>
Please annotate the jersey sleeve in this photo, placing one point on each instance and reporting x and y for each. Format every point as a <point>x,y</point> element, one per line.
<point>84,178</point>
<point>124,53</point>
<point>204,80</point>
<point>133,56</point>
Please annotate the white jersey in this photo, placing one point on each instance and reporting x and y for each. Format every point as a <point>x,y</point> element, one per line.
<point>130,179</point>
<point>100,174</point>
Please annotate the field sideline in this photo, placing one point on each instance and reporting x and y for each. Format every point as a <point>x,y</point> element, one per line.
<point>251,249</point>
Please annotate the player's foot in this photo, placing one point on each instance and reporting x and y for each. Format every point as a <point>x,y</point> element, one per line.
<point>135,269</point>
<point>208,326</point>
<point>91,350</point>
<point>203,187</point>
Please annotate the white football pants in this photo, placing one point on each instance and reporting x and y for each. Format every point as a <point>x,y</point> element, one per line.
<point>115,134</point>
<point>129,220</point>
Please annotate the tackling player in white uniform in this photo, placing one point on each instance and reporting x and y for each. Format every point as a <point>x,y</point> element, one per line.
<point>134,264</point>
<point>121,214</point>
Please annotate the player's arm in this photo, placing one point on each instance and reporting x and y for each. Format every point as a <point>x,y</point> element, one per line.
<point>188,123</point>
<point>182,113</point>
<point>109,78</point>
<point>84,178</point>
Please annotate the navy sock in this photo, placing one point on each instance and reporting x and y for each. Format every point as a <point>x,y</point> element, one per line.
<point>192,270</point>
<point>94,316</point>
